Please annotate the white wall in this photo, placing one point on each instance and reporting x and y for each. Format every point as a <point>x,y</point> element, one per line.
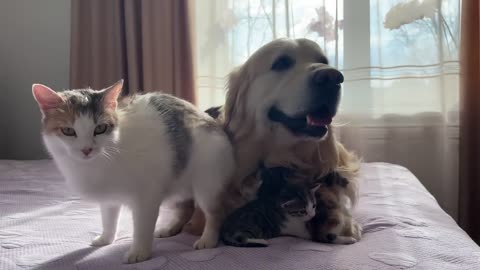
<point>34,47</point>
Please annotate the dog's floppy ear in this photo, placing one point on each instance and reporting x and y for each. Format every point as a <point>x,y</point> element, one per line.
<point>235,117</point>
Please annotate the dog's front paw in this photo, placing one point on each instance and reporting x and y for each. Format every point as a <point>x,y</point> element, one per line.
<point>357,230</point>
<point>135,255</point>
<point>205,242</point>
<point>167,231</point>
<point>345,240</point>
<point>193,228</point>
<point>102,240</point>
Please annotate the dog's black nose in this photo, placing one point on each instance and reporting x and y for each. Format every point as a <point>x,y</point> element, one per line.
<point>326,76</point>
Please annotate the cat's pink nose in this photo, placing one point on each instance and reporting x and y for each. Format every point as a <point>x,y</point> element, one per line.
<point>86,151</point>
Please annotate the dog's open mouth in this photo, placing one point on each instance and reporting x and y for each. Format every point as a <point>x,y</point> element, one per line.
<point>312,124</point>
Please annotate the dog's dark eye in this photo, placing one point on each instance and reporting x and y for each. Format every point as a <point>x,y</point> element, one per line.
<point>282,63</point>
<point>314,206</point>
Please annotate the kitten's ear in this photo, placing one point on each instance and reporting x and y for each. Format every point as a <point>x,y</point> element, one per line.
<point>314,188</point>
<point>46,98</point>
<point>287,203</point>
<point>111,95</point>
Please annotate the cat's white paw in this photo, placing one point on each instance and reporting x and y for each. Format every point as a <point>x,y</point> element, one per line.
<point>167,231</point>
<point>137,255</point>
<point>102,240</point>
<point>205,242</point>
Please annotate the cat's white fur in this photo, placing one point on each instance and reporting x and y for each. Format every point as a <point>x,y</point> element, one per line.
<point>297,226</point>
<point>133,166</point>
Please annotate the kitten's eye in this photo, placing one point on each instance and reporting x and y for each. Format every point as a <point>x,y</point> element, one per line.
<point>314,206</point>
<point>100,129</point>
<point>68,131</point>
<point>282,63</point>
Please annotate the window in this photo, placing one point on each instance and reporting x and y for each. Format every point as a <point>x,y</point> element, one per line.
<point>398,56</point>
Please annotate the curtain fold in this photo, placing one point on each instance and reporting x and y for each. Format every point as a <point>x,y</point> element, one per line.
<point>470,120</point>
<point>148,43</point>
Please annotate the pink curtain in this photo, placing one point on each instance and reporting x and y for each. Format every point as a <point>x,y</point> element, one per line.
<point>148,43</point>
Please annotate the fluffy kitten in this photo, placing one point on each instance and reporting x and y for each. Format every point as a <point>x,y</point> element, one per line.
<point>279,209</point>
<point>155,150</point>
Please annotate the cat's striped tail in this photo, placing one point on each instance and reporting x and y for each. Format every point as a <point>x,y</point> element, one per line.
<point>241,240</point>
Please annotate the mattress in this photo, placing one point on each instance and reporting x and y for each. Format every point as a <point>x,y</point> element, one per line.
<point>44,226</point>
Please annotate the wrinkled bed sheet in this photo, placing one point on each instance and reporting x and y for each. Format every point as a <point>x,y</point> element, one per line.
<point>44,226</point>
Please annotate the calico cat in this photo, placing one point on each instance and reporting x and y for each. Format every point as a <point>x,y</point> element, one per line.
<point>281,208</point>
<point>151,150</point>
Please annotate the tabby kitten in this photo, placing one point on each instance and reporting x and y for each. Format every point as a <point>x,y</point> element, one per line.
<point>281,208</point>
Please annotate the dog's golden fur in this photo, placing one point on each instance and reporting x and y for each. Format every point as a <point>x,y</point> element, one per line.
<point>255,141</point>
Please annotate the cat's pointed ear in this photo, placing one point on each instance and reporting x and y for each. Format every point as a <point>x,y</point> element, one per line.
<point>315,187</point>
<point>46,98</point>
<point>287,203</point>
<point>111,95</point>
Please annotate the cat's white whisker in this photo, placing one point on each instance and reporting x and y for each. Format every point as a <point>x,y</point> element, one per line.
<point>111,150</point>
<point>115,149</point>
<point>107,155</point>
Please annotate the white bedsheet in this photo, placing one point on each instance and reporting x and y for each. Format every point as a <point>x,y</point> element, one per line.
<point>42,226</point>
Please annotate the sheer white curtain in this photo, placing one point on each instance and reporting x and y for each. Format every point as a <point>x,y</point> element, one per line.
<point>399,58</point>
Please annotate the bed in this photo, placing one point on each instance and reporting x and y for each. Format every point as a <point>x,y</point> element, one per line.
<point>44,226</point>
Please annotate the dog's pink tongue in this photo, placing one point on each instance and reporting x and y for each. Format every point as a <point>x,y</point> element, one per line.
<point>312,121</point>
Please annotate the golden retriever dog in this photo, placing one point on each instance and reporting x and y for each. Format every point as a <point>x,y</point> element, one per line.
<point>279,109</point>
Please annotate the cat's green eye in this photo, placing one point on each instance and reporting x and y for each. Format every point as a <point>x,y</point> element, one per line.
<point>68,131</point>
<point>100,129</point>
